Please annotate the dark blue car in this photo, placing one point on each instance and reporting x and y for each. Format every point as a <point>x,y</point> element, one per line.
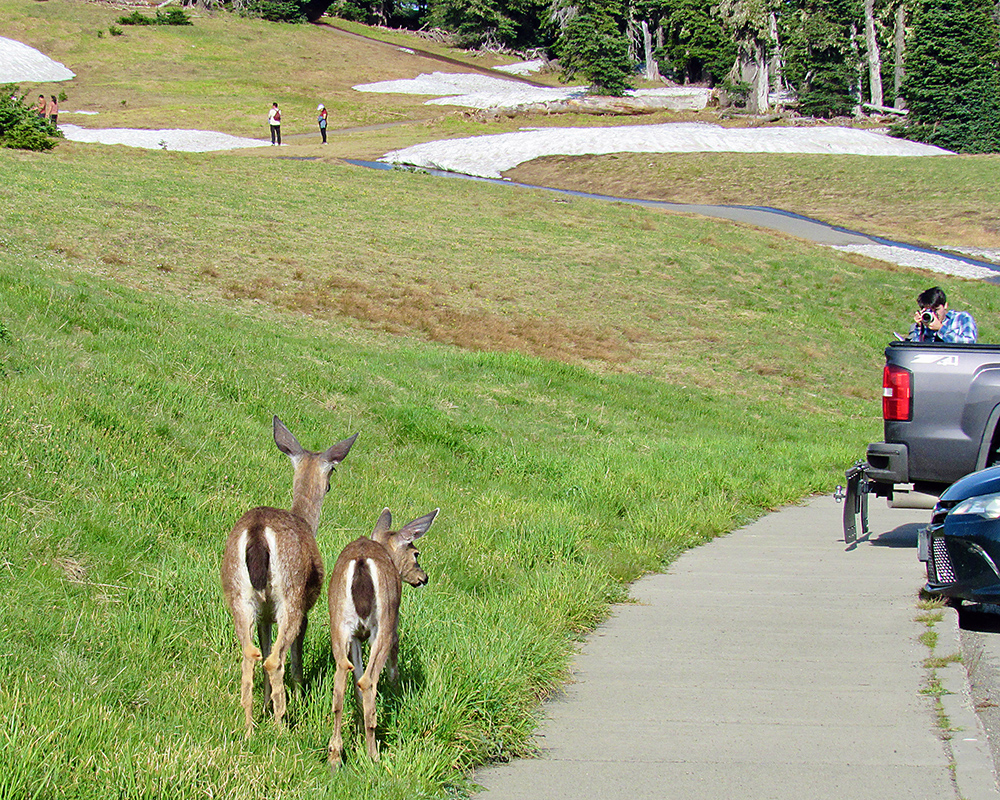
<point>962,544</point>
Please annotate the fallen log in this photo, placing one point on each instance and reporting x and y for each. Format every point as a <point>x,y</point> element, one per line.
<point>902,112</point>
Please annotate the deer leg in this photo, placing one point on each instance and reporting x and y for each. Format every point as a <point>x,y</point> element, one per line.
<point>295,655</point>
<point>381,649</point>
<point>251,655</point>
<point>392,663</point>
<point>264,631</point>
<point>288,628</point>
<point>336,746</point>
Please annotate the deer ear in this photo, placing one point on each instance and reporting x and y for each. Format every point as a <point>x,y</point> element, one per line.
<point>417,528</point>
<point>384,523</point>
<point>286,441</point>
<point>339,451</point>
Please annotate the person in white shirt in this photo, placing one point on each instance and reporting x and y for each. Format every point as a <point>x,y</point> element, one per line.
<point>274,121</point>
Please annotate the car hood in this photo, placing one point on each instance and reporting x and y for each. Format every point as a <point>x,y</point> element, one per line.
<point>986,481</point>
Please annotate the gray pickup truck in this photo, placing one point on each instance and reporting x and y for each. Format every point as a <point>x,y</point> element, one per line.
<point>941,409</point>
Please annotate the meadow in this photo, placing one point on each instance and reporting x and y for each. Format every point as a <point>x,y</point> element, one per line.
<point>585,390</point>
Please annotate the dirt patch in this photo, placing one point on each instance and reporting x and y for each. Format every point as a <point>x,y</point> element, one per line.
<point>422,310</point>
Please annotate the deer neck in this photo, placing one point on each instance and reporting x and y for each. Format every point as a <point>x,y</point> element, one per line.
<point>307,499</point>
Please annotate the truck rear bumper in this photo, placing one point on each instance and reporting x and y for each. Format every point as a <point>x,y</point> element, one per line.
<point>888,463</point>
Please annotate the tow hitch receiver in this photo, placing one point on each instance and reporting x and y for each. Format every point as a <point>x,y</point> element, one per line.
<point>855,499</point>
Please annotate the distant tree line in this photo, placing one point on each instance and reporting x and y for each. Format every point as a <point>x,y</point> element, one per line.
<point>936,60</point>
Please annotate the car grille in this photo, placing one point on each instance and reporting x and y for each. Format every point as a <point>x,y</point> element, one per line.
<point>940,562</point>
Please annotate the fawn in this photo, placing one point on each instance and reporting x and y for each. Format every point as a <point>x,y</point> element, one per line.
<point>365,590</point>
<point>272,572</point>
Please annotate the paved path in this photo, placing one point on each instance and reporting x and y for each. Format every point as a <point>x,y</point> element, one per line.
<point>770,663</point>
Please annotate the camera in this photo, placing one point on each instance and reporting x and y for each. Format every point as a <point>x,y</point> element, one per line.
<point>927,316</point>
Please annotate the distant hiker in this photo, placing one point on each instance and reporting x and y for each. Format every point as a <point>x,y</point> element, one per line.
<point>53,111</point>
<point>41,106</point>
<point>274,121</point>
<point>322,120</point>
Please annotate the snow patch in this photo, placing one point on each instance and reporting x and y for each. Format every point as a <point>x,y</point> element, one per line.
<point>486,91</point>
<point>490,155</point>
<point>19,62</point>
<point>522,67</point>
<point>187,141</point>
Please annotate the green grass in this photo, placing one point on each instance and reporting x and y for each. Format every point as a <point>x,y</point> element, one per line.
<point>677,378</point>
<point>585,389</point>
<point>220,73</point>
<point>135,430</point>
<point>223,72</point>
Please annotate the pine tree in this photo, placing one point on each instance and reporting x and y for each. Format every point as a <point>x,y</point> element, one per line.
<point>695,47</point>
<point>750,22</point>
<point>594,45</point>
<point>821,60</point>
<point>952,83</point>
<point>20,125</point>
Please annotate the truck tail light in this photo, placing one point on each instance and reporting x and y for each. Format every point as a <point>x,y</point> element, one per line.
<point>897,393</point>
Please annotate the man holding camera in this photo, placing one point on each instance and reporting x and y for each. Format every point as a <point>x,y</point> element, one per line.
<point>935,323</point>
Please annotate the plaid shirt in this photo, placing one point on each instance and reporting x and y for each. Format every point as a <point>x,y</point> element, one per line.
<point>959,328</point>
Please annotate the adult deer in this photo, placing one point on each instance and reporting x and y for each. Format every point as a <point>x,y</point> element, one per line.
<point>272,572</point>
<point>365,591</point>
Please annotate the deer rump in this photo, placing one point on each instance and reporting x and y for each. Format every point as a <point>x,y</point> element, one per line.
<point>266,565</point>
<point>372,588</point>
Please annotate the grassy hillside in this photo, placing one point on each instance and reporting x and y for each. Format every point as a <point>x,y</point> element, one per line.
<point>584,389</point>
<point>221,73</point>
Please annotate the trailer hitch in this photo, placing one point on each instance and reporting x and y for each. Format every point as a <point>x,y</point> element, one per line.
<point>855,499</point>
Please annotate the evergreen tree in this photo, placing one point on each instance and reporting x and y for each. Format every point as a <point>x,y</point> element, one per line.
<point>696,47</point>
<point>508,23</point>
<point>821,55</point>
<point>593,44</point>
<point>750,24</point>
<point>952,83</point>
<point>21,127</point>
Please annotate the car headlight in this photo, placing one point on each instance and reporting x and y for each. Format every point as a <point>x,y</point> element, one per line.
<point>986,506</point>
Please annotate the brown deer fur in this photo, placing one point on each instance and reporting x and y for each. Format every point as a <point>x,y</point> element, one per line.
<point>272,572</point>
<point>365,590</point>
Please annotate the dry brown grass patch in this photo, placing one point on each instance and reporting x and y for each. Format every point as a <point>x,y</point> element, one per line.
<point>424,307</point>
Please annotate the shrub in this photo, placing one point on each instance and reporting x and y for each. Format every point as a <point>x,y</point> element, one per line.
<point>20,126</point>
<point>276,10</point>
<point>172,16</point>
<point>135,18</point>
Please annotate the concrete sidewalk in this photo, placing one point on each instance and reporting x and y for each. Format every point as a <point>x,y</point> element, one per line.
<point>770,663</point>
